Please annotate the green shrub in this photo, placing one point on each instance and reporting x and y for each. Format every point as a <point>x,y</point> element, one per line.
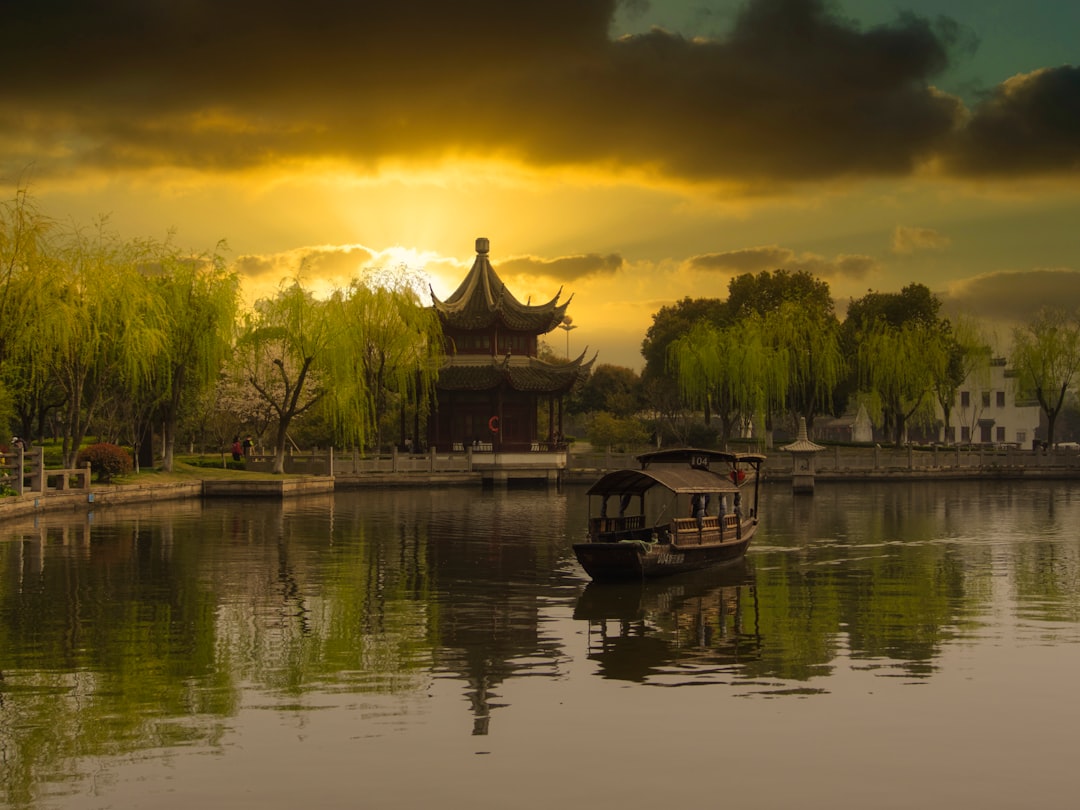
<point>106,460</point>
<point>606,430</point>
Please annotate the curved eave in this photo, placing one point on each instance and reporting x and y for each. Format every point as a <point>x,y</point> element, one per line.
<point>532,320</point>
<point>534,376</point>
<point>544,379</point>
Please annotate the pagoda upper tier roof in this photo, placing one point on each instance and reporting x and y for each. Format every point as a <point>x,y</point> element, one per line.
<point>482,301</point>
<point>517,373</point>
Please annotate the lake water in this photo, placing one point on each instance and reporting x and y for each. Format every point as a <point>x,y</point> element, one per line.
<point>885,646</point>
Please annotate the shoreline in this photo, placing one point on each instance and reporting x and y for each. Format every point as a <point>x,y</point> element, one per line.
<point>149,491</point>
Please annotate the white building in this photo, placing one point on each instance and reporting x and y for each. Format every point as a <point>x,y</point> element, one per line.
<point>986,411</point>
<point>853,426</point>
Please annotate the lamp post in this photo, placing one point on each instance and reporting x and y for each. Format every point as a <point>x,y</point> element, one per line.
<point>566,325</point>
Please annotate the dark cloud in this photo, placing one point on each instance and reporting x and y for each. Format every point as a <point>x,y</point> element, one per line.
<point>1028,125</point>
<point>746,260</point>
<point>567,268</point>
<point>256,267</point>
<point>772,257</point>
<point>1014,297</point>
<point>792,92</point>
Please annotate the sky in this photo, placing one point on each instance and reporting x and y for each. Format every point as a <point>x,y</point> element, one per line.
<point>628,153</point>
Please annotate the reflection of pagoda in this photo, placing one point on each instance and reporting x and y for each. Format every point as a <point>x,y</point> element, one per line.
<point>490,391</point>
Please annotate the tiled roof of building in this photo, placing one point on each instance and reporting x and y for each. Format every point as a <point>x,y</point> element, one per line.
<point>482,300</point>
<point>532,375</point>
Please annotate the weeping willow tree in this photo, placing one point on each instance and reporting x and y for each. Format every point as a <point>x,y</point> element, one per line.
<point>26,291</point>
<point>29,373</point>
<point>283,351</point>
<point>728,371</point>
<point>1046,356</point>
<point>897,368</point>
<point>198,300</point>
<point>106,328</point>
<point>23,253</point>
<point>808,344</point>
<point>352,356</point>
<point>388,353</point>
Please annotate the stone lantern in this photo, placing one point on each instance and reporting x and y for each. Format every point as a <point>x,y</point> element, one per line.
<point>802,468</point>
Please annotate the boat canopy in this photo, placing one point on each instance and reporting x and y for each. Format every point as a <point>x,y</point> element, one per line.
<point>680,470</point>
<point>676,479</point>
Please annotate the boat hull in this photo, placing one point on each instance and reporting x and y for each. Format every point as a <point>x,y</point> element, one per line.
<point>631,560</point>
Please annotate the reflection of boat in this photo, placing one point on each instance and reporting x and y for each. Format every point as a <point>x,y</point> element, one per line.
<point>705,486</point>
<point>634,599</point>
<point>688,623</point>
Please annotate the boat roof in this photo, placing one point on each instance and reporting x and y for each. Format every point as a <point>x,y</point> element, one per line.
<point>697,457</point>
<point>680,470</point>
<point>675,479</point>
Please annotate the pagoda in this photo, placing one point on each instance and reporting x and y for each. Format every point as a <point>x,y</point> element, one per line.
<point>490,391</point>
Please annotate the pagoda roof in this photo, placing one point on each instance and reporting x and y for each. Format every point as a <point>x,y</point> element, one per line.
<point>802,443</point>
<point>482,300</point>
<point>517,373</point>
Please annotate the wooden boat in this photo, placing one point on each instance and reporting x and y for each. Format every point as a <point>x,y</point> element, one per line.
<point>687,511</point>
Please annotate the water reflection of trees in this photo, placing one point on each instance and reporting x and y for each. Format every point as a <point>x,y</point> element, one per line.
<point>143,628</point>
<point>888,574</point>
<point>881,578</point>
<point>106,648</point>
<point>122,632</point>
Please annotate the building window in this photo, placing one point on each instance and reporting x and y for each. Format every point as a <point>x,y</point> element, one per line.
<point>1001,399</point>
<point>1021,437</point>
<point>1000,437</point>
<point>965,399</point>
<point>986,399</point>
<point>965,433</point>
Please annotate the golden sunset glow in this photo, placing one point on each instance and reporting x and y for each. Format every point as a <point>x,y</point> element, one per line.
<point>629,153</point>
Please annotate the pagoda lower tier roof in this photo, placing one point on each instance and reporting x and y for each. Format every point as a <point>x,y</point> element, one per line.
<point>532,375</point>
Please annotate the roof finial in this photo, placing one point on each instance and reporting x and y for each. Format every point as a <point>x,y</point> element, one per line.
<point>482,245</point>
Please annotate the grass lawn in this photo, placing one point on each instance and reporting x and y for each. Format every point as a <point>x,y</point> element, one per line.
<point>185,471</point>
